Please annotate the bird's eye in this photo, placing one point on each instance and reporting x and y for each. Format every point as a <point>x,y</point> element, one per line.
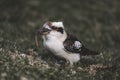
<point>54,28</point>
<point>60,30</point>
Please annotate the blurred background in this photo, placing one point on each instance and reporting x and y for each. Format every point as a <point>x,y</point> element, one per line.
<point>95,22</point>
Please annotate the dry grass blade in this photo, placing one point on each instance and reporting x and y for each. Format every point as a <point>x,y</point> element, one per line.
<point>36,39</point>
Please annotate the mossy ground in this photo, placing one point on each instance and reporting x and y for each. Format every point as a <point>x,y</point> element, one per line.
<point>95,22</point>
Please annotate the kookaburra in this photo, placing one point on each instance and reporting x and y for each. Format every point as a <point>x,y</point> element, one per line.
<point>62,44</point>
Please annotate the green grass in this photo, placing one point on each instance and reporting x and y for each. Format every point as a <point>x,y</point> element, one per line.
<point>95,23</point>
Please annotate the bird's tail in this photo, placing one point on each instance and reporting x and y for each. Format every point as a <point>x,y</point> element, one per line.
<point>85,52</point>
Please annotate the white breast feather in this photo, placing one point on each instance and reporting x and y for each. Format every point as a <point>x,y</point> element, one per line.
<point>57,48</point>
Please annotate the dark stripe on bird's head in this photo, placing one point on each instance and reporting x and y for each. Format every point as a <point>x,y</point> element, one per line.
<point>59,29</point>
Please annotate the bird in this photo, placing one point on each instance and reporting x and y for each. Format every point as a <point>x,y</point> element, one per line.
<point>63,44</point>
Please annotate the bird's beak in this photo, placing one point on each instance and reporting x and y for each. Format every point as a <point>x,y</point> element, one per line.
<point>44,31</point>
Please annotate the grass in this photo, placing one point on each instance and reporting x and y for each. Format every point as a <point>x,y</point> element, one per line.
<point>95,23</point>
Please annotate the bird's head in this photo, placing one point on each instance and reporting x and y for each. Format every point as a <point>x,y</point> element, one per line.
<point>52,29</point>
<point>49,27</point>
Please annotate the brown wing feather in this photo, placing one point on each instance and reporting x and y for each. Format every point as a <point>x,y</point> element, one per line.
<point>69,46</point>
